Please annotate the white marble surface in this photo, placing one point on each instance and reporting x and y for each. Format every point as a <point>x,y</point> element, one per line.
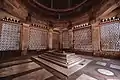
<point>105,59</point>
<point>115,66</point>
<point>101,63</point>
<point>15,62</point>
<point>37,75</point>
<point>17,69</point>
<point>113,79</point>
<point>105,72</point>
<point>89,70</point>
<point>85,77</point>
<point>65,71</point>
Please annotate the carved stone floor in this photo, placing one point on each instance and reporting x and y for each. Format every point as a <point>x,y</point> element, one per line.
<point>26,69</point>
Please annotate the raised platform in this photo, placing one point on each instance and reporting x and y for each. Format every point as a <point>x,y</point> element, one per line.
<point>61,65</point>
<point>66,60</point>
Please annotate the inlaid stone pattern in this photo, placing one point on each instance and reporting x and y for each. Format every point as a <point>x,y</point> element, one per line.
<point>10,36</point>
<point>38,39</point>
<point>83,39</point>
<point>110,37</point>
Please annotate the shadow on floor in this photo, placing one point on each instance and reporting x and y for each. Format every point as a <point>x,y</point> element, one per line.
<point>10,77</point>
<point>9,65</point>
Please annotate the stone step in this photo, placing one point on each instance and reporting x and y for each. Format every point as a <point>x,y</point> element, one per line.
<point>57,70</point>
<point>62,58</point>
<point>69,58</point>
<point>53,61</point>
<point>73,63</point>
<point>52,55</point>
<point>67,61</point>
<point>62,54</point>
<point>54,58</point>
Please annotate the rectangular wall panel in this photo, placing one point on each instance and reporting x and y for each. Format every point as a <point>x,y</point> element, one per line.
<point>25,37</point>
<point>65,39</point>
<point>10,37</point>
<point>83,39</point>
<point>38,39</point>
<point>56,40</point>
<point>110,37</point>
<point>70,38</point>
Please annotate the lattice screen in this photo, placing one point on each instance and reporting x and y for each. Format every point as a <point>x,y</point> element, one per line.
<point>83,39</point>
<point>65,39</point>
<point>38,39</point>
<point>10,36</point>
<point>110,37</point>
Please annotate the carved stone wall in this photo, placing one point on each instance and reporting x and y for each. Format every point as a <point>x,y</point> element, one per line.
<point>4,14</point>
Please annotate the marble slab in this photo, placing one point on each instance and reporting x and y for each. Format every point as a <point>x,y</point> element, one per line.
<point>86,77</point>
<point>37,75</point>
<point>17,69</point>
<point>106,72</point>
<point>61,62</point>
<point>53,78</point>
<point>101,63</point>
<point>115,66</point>
<point>85,62</point>
<point>106,59</point>
<point>66,60</point>
<point>113,79</point>
<point>65,71</point>
<point>15,62</point>
<point>62,54</point>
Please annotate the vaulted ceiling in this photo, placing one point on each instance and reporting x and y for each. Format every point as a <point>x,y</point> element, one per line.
<point>61,9</point>
<point>57,11</point>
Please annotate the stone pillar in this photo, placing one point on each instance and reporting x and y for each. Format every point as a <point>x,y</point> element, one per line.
<point>50,37</point>
<point>24,38</point>
<point>0,27</point>
<point>96,38</point>
<point>61,42</point>
<point>71,39</point>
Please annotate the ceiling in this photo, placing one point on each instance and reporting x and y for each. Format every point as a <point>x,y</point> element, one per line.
<point>60,4</point>
<point>61,9</point>
<point>57,11</point>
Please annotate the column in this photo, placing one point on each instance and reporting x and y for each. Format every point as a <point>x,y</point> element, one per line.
<point>71,39</point>
<point>61,42</point>
<point>96,38</point>
<point>50,37</point>
<point>24,38</point>
<point>0,27</point>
